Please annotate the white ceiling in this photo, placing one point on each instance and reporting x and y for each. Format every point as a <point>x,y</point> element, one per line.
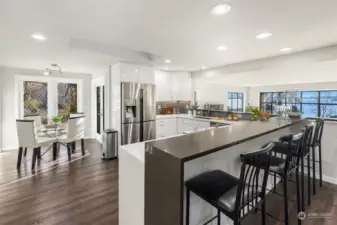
<point>87,35</point>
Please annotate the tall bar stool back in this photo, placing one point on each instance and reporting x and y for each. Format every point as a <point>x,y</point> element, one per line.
<point>317,142</point>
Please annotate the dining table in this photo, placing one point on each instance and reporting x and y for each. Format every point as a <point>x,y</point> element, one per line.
<point>52,131</point>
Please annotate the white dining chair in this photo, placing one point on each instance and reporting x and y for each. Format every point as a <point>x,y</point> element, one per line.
<point>37,121</point>
<point>72,115</point>
<point>27,138</point>
<point>36,118</point>
<point>75,132</point>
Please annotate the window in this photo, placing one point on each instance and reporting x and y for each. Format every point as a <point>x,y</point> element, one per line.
<point>67,99</point>
<point>311,104</point>
<point>35,98</point>
<point>235,101</point>
<point>47,96</point>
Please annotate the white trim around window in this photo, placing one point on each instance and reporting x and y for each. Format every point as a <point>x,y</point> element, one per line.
<point>52,92</point>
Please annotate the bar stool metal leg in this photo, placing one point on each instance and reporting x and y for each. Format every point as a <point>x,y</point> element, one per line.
<point>302,183</point>
<point>320,165</point>
<point>187,207</point>
<point>313,170</point>
<point>219,217</point>
<point>299,222</point>
<point>309,179</point>
<point>285,197</point>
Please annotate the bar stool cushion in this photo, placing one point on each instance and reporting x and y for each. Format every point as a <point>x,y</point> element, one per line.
<point>212,184</point>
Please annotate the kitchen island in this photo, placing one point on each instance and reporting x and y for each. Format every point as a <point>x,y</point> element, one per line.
<point>152,185</point>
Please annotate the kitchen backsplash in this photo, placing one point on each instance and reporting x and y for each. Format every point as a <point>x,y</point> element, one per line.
<point>180,106</point>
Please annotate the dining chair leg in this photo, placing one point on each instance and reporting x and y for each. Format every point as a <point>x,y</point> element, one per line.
<point>54,151</point>
<point>69,151</point>
<point>34,158</point>
<point>320,165</point>
<point>18,165</point>
<point>313,170</point>
<point>73,146</point>
<point>25,152</point>
<point>82,146</point>
<point>39,152</point>
<point>263,211</point>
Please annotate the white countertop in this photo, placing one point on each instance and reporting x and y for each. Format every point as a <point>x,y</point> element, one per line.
<point>137,150</point>
<point>194,118</point>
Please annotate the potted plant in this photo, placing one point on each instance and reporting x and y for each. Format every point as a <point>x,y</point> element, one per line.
<point>56,119</point>
<point>194,108</point>
<point>255,111</point>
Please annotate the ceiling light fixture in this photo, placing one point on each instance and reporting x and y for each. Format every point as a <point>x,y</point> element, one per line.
<point>220,9</point>
<point>167,61</point>
<point>221,48</point>
<point>286,49</point>
<point>203,67</point>
<point>47,72</point>
<point>39,37</point>
<point>263,35</point>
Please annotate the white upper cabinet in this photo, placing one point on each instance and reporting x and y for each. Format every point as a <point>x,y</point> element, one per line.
<point>146,75</point>
<point>163,86</point>
<point>173,86</point>
<point>181,86</point>
<point>137,73</point>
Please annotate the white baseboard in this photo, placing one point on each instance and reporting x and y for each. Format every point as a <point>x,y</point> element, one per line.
<point>325,178</point>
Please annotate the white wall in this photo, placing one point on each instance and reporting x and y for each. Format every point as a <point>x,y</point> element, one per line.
<point>215,93</point>
<point>9,109</point>
<point>310,70</point>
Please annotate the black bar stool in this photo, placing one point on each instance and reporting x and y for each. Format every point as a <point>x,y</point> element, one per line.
<point>317,142</point>
<point>285,161</point>
<point>306,146</point>
<point>229,194</point>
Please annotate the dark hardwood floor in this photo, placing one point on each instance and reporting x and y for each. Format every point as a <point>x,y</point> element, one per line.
<point>81,192</point>
<point>85,191</point>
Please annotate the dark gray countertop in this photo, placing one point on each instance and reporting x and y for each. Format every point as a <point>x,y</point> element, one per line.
<point>194,145</point>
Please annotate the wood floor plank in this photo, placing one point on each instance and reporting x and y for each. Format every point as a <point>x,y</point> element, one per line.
<point>85,192</point>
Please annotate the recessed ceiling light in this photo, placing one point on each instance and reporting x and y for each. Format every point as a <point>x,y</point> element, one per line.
<point>286,49</point>
<point>221,48</point>
<point>203,67</point>
<point>263,35</point>
<point>167,61</point>
<point>39,37</point>
<point>220,9</point>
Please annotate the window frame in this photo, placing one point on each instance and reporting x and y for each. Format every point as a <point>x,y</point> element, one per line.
<point>52,83</point>
<point>301,104</point>
<point>230,103</point>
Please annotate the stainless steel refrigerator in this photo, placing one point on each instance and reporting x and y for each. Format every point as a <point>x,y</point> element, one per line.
<point>138,112</point>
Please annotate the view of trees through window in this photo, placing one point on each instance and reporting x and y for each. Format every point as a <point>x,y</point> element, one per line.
<point>235,101</point>
<point>35,97</point>
<point>67,99</point>
<point>312,103</point>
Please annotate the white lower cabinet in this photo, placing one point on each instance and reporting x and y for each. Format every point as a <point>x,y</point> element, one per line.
<point>166,127</point>
<point>175,126</point>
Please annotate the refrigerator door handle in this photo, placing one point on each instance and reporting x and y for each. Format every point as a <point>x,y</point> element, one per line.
<point>141,114</point>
